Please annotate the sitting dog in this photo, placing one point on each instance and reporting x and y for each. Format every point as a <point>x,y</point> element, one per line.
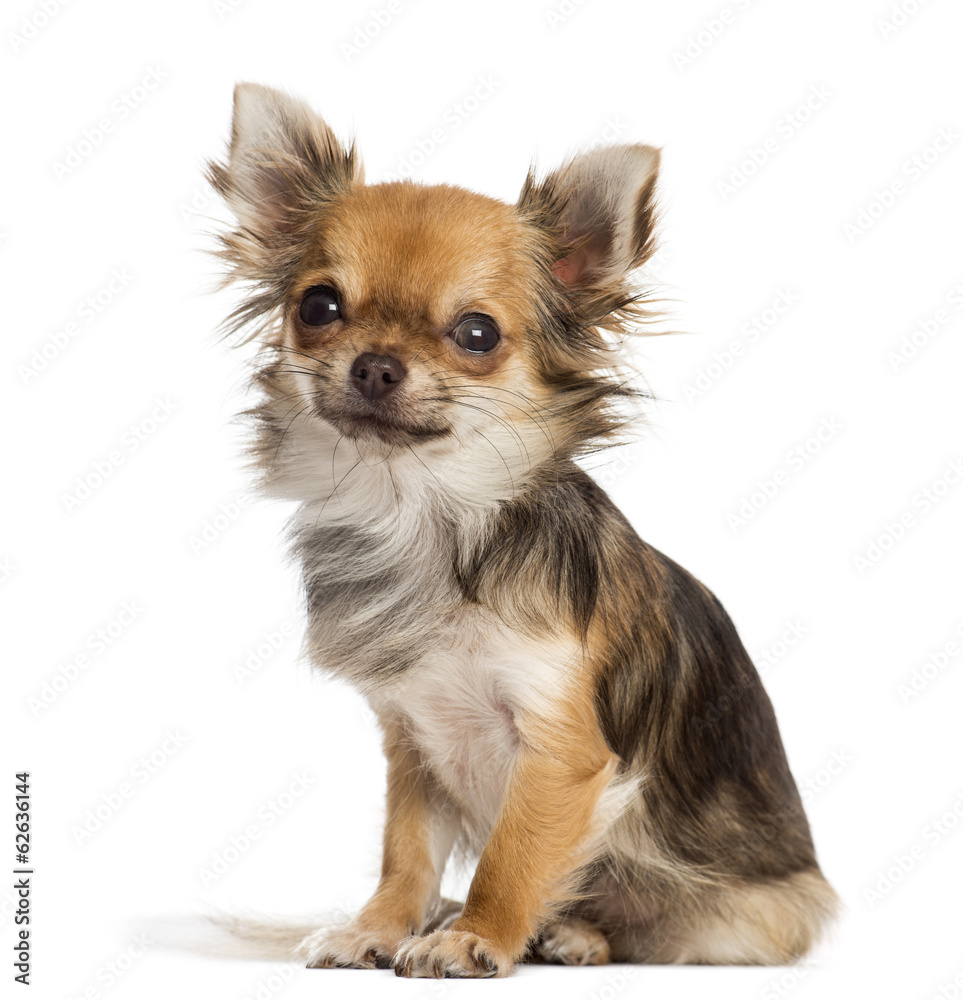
<point>558,699</point>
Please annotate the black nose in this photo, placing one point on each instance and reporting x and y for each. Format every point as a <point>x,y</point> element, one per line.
<point>375,375</point>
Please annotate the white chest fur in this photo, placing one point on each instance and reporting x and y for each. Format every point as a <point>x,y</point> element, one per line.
<point>388,614</point>
<point>465,703</point>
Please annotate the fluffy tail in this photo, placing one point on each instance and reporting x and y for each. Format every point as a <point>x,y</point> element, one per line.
<point>224,935</point>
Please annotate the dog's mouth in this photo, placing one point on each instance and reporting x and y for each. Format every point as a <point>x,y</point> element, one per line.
<point>378,422</point>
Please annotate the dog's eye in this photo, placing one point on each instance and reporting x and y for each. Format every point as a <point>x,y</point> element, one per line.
<point>477,335</point>
<point>319,306</point>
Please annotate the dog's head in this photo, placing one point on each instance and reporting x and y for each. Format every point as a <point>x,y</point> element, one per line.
<point>398,314</point>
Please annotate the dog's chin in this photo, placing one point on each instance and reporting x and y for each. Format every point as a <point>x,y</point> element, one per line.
<point>383,427</point>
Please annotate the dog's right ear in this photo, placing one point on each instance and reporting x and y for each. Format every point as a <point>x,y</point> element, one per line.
<point>284,163</point>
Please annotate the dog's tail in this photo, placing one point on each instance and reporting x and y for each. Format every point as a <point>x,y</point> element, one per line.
<point>223,935</point>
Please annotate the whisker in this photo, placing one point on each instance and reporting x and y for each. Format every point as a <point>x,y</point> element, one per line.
<point>306,404</point>
<point>535,418</point>
<point>303,354</point>
<point>433,476</point>
<point>392,478</point>
<point>334,453</point>
<point>292,370</point>
<point>511,478</point>
<point>501,420</point>
<point>336,488</point>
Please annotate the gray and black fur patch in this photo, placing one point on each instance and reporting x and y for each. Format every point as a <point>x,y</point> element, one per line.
<point>676,693</point>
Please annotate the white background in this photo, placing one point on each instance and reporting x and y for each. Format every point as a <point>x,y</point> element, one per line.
<point>866,263</point>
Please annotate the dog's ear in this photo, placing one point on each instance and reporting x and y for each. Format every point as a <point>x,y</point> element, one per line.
<point>283,167</point>
<point>602,205</point>
<point>284,162</point>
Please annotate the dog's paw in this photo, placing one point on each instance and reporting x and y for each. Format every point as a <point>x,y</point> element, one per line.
<point>352,946</point>
<point>573,942</point>
<point>452,954</point>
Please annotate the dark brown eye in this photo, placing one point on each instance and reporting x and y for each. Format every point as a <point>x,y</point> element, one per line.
<point>476,334</point>
<point>319,306</point>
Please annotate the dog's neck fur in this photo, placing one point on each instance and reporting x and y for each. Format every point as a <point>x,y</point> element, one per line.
<point>380,529</point>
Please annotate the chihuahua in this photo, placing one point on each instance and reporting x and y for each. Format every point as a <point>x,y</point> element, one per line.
<point>559,700</point>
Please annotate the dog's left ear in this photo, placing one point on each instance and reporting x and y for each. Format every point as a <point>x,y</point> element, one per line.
<point>603,205</point>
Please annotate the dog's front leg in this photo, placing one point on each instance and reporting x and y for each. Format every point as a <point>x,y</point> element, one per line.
<point>419,832</point>
<point>562,768</point>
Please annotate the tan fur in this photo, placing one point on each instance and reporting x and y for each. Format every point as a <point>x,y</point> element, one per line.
<point>557,697</point>
<point>563,767</point>
<point>562,770</point>
<point>763,924</point>
<point>572,941</point>
<point>407,896</point>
